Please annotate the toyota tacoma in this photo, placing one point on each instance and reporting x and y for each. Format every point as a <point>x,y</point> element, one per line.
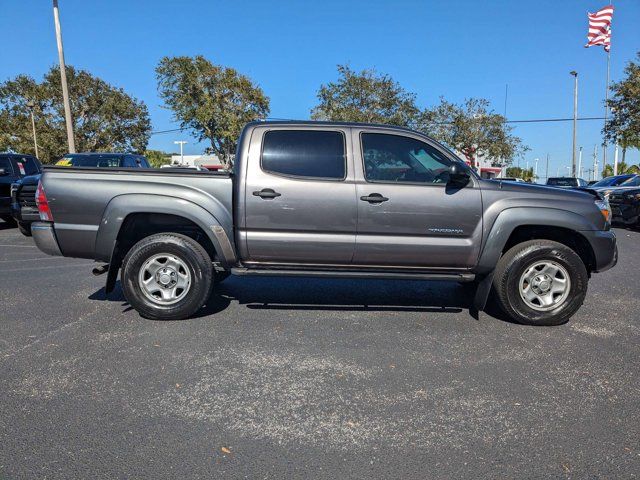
<point>328,200</point>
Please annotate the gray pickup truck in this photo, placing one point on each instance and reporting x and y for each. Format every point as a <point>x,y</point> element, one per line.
<point>329,200</point>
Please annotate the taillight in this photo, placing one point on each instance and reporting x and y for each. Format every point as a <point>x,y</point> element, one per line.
<point>43,204</point>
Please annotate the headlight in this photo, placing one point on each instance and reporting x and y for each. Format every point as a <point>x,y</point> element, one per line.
<point>605,209</point>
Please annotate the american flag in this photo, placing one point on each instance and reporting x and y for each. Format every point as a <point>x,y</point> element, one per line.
<point>600,28</point>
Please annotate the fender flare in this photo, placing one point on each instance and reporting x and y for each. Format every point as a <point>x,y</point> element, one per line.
<point>502,228</point>
<point>218,226</point>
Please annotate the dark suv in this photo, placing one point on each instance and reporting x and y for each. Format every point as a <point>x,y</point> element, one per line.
<point>13,167</point>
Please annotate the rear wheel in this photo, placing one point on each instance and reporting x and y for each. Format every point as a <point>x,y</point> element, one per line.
<point>540,282</point>
<point>167,276</point>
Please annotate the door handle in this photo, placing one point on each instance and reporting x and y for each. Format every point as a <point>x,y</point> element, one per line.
<point>267,193</point>
<point>374,198</point>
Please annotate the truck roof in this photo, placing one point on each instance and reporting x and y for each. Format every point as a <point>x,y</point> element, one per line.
<point>329,124</point>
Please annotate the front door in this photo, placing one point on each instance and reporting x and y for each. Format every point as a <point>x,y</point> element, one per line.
<point>300,203</point>
<point>408,214</point>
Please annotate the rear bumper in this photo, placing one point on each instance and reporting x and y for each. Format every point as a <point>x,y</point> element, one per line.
<point>604,247</point>
<point>45,237</point>
<point>24,214</point>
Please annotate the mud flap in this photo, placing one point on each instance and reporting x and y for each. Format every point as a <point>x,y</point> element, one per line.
<point>482,292</point>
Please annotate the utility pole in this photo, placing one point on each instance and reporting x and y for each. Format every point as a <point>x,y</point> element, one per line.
<point>547,170</point>
<point>535,171</point>
<point>575,121</point>
<point>31,105</point>
<point>181,143</point>
<point>595,161</point>
<point>63,80</point>
<point>615,160</point>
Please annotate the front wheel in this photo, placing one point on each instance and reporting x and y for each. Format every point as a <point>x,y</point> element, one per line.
<point>540,282</point>
<point>167,276</point>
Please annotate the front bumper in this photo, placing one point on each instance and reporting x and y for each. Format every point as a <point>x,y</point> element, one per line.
<point>45,237</point>
<point>625,213</point>
<point>605,248</point>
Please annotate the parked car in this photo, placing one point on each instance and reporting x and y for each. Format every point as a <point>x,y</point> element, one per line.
<point>625,206</point>
<point>23,201</point>
<point>566,182</point>
<point>509,179</point>
<point>13,167</point>
<point>329,200</point>
<point>612,181</point>
<point>103,160</point>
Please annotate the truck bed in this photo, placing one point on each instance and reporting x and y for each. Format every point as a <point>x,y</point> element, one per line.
<point>79,198</point>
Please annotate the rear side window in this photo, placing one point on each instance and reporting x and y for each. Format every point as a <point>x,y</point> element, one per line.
<point>27,165</point>
<point>304,153</point>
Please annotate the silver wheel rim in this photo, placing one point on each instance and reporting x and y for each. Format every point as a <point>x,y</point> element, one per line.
<point>544,285</point>
<point>164,279</point>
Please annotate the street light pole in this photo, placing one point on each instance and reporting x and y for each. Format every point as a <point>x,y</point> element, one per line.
<point>579,163</point>
<point>63,80</point>
<point>181,143</point>
<point>31,105</point>
<point>575,121</point>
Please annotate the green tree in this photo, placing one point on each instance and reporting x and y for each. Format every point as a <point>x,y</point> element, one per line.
<point>525,174</point>
<point>623,168</point>
<point>472,129</point>
<point>624,124</point>
<point>157,158</point>
<point>365,96</point>
<point>105,118</point>
<point>215,102</point>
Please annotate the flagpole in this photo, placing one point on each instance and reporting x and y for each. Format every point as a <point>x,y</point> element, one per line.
<point>606,113</point>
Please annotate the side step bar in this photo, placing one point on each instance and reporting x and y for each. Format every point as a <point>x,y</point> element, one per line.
<point>454,277</point>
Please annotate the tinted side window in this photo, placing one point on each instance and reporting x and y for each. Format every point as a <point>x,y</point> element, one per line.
<point>304,153</point>
<point>29,165</point>
<point>142,162</point>
<point>394,158</point>
<point>129,162</point>
<point>6,164</point>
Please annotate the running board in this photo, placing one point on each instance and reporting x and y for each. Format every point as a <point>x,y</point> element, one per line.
<point>273,272</point>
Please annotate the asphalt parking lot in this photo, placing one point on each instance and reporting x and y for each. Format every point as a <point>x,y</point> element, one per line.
<point>312,378</point>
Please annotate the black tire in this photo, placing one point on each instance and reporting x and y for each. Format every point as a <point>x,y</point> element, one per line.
<point>519,259</point>
<point>9,220</point>
<point>194,257</point>
<point>25,228</point>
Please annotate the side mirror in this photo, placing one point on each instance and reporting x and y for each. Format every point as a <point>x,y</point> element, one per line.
<point>3,172</point>
<point>458,175</point>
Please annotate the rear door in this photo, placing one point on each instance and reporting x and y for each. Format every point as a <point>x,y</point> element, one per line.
<point>299,200</point>
<point>408,215</point>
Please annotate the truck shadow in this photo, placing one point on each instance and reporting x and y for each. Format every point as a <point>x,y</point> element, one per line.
<point>315,294</point>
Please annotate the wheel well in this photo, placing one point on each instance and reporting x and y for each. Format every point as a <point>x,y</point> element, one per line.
<point>137,226</point>
<point>571,238</point>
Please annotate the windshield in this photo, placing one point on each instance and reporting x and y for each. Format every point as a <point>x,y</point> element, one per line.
<point>562,182</point>
<point>632,182</point>
<point>612,181</point>
<point>94,160</point>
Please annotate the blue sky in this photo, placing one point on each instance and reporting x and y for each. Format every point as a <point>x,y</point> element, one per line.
<point>454,49</point>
